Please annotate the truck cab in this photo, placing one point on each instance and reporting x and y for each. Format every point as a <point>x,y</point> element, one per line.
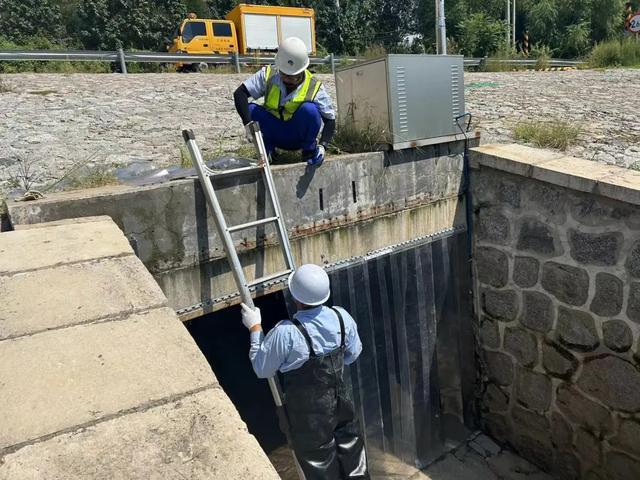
<point>204,36</point>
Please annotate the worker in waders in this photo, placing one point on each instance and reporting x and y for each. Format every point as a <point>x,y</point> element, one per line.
<point>296,105</point>
<point>310,353</point>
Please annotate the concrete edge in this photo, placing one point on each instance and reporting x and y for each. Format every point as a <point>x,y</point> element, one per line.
<point>66,221</point>
<point>609,181</point>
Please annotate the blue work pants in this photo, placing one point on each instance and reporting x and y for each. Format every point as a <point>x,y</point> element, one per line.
<point>298,133</point>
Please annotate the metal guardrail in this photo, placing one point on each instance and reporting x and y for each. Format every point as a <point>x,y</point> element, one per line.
<point>122,58</point>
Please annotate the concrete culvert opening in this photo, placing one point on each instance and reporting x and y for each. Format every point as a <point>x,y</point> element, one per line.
<point>413,382</point>
<point>224,341</point>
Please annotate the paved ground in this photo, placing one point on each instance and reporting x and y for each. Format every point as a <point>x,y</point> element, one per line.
<point>62,122</point>
<point>480,458</point>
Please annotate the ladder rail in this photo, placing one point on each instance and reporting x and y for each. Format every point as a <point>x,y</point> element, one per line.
<point>221,224</point>
<point>224,231</point>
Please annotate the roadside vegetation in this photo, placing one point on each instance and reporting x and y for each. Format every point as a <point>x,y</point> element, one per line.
<point>554,134</point>
<point>351,139</point>
<point>616,53</point>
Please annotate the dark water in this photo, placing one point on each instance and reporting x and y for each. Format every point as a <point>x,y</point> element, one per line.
<point>224,341</point>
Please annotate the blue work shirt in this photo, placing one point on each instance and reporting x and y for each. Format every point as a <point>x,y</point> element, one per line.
<point>257,87</point>
<point>284,348</point>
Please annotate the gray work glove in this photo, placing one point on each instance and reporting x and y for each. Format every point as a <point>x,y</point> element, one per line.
<point>251,317</point>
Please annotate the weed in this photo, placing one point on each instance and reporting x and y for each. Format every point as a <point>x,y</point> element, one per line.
<point>185,157</point>
<point>542,54</point>
<point>554,134</point>
<point>374,51</point>
<point>351,139</point>
<point>615,53</point>
<point>98,178</point>
<point>497,62</point>
<point>26,174</point>
<point>5,87</point>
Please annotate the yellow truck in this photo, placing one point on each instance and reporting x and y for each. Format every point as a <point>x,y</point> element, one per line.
<point>247,29</point>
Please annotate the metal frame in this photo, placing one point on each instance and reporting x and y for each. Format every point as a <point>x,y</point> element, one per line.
<point>224,232</point>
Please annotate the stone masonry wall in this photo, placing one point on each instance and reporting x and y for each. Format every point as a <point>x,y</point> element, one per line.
<point>558,306</point>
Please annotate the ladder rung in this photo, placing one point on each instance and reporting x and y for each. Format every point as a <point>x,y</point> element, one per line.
<point>267,278</point>
<point>244,226</point>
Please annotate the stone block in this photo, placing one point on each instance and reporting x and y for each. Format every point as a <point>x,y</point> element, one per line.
<point>495,399</point>
<point>522,345</point>
<point>525,271</point>
<point>633,261</point>
<point>527,421</point>
<point>547,199</point>
<point>633,304</point>
<point>74,294</point>
<point>538,450</point>
<point>537,311</point>
<point>493,227</point>
<point>579,409</point>
<point>617,335</point>
<point>492,266</point>
<point>198,437</point>
<point>500,304</point>
<point>536,236</point>
<point>613,381</point>
<point>26,250</point>
<point>561,432</point>
<point>588,447</point>
<point>595,211</point>
<point>567,283</point>
<point>600,249</point>
<point>577,329</point>
<point>80,374</point>
<point>558,361</point>
<point>499,367</point>
<point>566,466</point>
<point>497,426</point>
<point>628,437</point>
<point>489,333</point>
<point>533,390</point>
<point>607,301</point>
<point>622,467</point>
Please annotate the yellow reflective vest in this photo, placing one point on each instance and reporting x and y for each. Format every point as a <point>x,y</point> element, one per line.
<point>306,93</point>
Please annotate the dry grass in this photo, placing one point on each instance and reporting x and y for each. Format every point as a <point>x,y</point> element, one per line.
<point>350,139</point>
<point>554,134</point>
<point>98,178</point>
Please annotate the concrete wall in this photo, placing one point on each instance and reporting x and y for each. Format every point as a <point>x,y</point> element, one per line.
<point>557,246</point>
<point>351,205</point>
<point>99,379</point>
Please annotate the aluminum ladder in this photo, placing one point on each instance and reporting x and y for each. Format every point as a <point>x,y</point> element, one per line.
<point>225,231</point>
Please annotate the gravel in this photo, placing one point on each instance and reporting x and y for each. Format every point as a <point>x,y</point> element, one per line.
<point>60,122</point>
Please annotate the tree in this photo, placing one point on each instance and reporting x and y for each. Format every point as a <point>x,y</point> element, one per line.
<point>21,21</point>
<point>480,35</point>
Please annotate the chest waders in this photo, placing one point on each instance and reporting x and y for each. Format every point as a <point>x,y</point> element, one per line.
<point>324,431</point>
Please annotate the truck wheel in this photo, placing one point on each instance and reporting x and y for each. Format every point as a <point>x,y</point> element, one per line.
<point>201,67</point>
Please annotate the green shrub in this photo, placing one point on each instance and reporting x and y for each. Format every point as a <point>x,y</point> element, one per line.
<point>496,63</point>
<point>554,134</point>
<point>615,53</point>
<point>480,35</point>
<point>41,43</point>
<point>542,54</point>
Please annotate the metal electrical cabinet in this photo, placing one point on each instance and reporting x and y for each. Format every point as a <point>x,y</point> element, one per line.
<point>414,99</point>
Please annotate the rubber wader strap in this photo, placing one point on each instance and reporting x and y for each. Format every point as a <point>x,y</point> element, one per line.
<point>341,326</point>
<point>305,334</point>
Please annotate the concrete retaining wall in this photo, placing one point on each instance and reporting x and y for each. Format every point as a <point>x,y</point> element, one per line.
<point>99,379</point>
<point>351,205</point>
<point>557,246</point>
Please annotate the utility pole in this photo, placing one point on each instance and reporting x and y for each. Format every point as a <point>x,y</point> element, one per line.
<point>441,28</point>
<point>514,24</point>
<point>508,18</point>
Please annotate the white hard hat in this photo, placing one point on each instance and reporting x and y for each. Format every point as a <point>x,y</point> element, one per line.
<point>292,57</point>
<point>309,285</point>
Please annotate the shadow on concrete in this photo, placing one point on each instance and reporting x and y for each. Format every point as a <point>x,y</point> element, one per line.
<point>305,180</point>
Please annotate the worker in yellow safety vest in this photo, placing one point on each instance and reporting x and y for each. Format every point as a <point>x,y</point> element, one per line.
<point>295,107</point>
